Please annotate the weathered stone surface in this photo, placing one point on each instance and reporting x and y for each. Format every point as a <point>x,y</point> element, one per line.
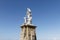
<point>28,32</point>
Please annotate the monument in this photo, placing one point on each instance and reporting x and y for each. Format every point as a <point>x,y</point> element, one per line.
<point>28,30</point>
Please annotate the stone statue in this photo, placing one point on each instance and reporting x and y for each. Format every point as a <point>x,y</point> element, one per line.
<point>28,18</point>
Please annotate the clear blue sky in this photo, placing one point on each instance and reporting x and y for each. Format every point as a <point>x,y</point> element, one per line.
<point>45,13</point>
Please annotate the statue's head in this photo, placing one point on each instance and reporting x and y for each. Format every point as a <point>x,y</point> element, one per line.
<point>28,9</point>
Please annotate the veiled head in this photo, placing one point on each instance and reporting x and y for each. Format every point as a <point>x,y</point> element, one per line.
<point>28,9</point>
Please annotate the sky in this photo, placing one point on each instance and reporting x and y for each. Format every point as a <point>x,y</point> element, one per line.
<point>45,13</point>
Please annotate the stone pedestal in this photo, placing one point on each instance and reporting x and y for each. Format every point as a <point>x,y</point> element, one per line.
<point>28,32</point>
